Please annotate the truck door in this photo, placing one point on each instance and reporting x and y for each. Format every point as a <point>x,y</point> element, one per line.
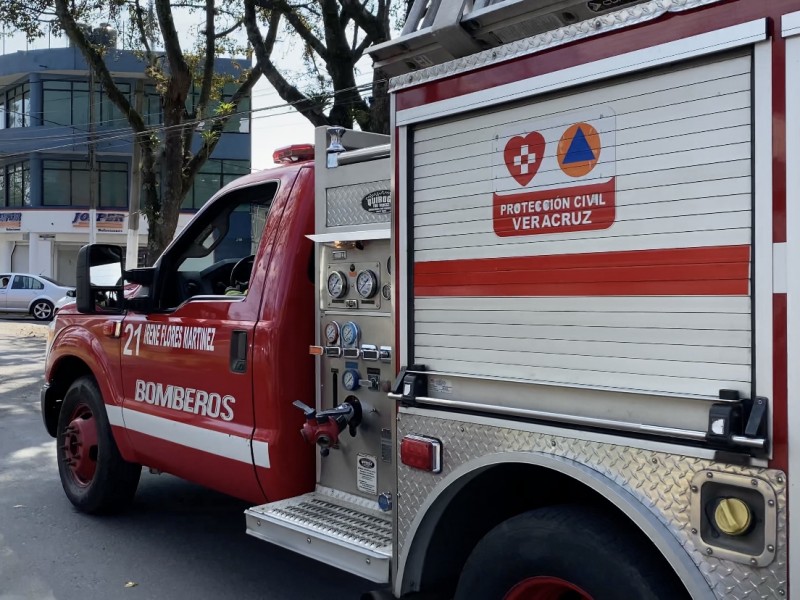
<point>187,369</point>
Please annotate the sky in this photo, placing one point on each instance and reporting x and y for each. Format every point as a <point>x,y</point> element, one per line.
<point>271,129</point>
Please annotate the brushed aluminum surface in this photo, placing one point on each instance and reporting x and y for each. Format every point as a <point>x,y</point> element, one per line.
<point>344,205</point>
<point>661,481</point>
<point>627,17</point>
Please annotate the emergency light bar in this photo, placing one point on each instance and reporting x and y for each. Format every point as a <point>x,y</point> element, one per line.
<point>292,154</point>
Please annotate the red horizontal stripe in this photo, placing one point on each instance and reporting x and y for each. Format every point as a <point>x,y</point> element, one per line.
<point>713,271</point>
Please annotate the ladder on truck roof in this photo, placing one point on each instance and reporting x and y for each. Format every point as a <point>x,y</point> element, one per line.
<point>438,31</point>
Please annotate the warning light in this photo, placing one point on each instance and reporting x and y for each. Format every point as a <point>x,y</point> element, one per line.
<point>292,154</point>
<point>420,452</point>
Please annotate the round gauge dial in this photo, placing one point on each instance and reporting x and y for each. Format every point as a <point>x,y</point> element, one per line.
<point>351,380</point>
<point>386,291</point>
<point>337,284</point>
<point>350,334</point>
<point>366,283</point>
<point>332,333</point>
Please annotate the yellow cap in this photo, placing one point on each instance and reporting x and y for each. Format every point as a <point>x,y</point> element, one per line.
<point>733,516</point>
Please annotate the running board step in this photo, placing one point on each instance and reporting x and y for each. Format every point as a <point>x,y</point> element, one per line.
<point>334,527</point>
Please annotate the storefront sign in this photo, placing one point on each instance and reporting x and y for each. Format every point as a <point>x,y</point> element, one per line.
<point>109,222</point>
<point>10,221</point>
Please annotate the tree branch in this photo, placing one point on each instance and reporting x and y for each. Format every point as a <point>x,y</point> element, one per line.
<point>263,50</point>
<point>172,44</point>
<point>291,15</point>
<point>212,138</point>
<point>365,20</point>
<point>208,64</point>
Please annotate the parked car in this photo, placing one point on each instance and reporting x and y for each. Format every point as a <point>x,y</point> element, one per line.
<point>70,297</point>
<point>33,294</point>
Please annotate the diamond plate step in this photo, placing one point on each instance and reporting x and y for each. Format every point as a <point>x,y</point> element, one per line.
<point>333,527</point>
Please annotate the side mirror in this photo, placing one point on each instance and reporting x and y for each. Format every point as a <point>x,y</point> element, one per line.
<point>99,283</point>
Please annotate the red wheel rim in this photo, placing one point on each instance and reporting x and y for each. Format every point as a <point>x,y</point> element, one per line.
<point>546,588</point>
<point>80,445</point>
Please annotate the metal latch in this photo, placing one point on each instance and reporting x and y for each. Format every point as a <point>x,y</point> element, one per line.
<point>411,382</point>
<point>739,422</point>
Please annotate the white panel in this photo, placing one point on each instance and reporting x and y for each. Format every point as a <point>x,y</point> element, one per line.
<point>682,152</point>
<point>793,294</point>
<point>20,258</point>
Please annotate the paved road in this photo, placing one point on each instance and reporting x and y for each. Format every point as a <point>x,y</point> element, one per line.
<point>179,541</point>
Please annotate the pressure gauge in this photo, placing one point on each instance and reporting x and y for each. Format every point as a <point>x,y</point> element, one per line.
<point>332,333</point>
<point>386,291</point>
<point>366,283</point>
<point>337,284</point>
<point>351,380</point>
<point>350,334</point>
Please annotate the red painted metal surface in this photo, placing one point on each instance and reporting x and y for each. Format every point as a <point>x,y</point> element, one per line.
<point>283,368</point>
<point>80,445</point>
<point>712,271</point>
<point>780,414</point>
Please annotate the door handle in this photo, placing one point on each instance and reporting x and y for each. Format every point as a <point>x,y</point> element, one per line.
<point>239,351</point>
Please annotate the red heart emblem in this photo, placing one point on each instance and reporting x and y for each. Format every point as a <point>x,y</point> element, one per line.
<point>523,156</point>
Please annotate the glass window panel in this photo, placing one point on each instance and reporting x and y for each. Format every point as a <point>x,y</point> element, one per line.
<point>56,107</point>
<point>26,171</point>
<point>2,113</point>
<point>80,106</point>
<point>113,185</point>
<point>18,182</point>
<point>80,187</point>
<point>55,185</point>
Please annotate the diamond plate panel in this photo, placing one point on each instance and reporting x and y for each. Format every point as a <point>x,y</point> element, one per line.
<point>659,480</point>
<point>627,17</point>
<point>344,205</point>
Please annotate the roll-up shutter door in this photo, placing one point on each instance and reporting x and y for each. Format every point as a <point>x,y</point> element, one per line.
<point>601,238</point>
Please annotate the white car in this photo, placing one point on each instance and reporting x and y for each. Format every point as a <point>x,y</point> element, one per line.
<point>33,294</point>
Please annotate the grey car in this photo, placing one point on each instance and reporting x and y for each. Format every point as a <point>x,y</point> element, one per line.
<point>33,294</point>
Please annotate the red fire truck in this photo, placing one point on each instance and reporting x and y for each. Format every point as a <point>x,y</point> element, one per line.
<point>534,345</point>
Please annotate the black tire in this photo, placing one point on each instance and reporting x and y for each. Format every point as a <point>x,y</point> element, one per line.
<point>583,547</point>
<point>42,310</point>
<point>94,476</point>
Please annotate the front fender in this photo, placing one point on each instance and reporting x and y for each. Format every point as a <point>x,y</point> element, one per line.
<point>82,339</point>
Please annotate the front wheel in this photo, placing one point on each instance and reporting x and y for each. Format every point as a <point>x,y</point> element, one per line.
<point>42,310</point>
<point>566,553</point>
<point>93,474</point>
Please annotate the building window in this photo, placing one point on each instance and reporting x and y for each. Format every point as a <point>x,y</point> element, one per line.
<point>67,103</point>
<point>15,109</point>
<point>15,185</point>
<point>113,185</point>
<point>67,183</point>
<point>211,178</point>
<point>151,106</point>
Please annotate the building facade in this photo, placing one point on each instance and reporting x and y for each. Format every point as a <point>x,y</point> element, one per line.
<point>46,185</point>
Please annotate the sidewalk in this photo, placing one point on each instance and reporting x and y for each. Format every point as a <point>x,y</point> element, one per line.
<point>21,329</point>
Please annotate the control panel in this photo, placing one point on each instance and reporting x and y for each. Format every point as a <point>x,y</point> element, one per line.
<point>352,422</point>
